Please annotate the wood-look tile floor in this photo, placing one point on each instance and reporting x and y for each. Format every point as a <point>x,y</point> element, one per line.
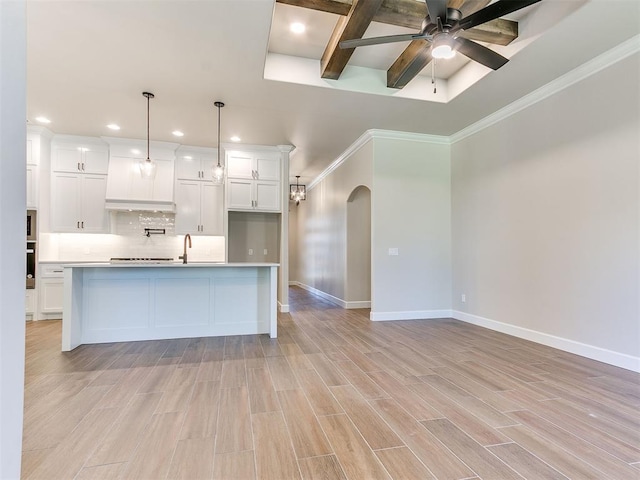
<point>334,397</point>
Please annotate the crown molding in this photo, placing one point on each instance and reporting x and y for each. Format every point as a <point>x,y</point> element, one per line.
<point>576,75</point>
<point>377,134</point>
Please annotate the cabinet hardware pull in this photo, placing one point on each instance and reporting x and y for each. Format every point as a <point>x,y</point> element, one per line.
<point>83,166</point>
<point>58,271</point>
<point>77,224</point>
<point>82,224</point>
<point>79,166</point>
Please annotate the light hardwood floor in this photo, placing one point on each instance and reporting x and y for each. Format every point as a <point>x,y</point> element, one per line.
<point>334,397</point>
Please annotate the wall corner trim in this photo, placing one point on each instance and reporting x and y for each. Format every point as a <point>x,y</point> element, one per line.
<point>593,66</point>
<point>610,357</point>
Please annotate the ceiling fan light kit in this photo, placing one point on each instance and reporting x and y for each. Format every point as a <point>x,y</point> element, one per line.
<point>147,167</point>
<point>443,26</point>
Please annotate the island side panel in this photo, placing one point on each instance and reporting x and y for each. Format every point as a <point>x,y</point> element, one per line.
<point>273,302</point>
<point>72,308</point>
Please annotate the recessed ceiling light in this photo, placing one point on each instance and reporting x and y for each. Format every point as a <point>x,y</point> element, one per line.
<point>297,27</point>
<point>135,151</point>
<point>235,138</point>
<point>113,126</point>
<point>188,157</point>
<point>43,120</point>
<point>178,133</point>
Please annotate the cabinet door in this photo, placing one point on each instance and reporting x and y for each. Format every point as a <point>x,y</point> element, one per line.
<point>187,207</point>
<point>121,171</point>
<point>51,295</point>
<point>240,166</point>
<point>94,215</point>
<point>188,167</point>
<point>207,162</point>
<point>30,302</point>
<point>95,161</point>
<point>65,205</point>
<point>239,194</point>
<point>32,186</point>
<point>164,181</point>
<point>67,159</point>
<point>211,209</point>
<point>267,196</point>
<point>268,167</point>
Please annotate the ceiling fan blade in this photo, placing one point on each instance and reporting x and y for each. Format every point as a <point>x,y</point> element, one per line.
<point>361,42</point>
<point>437,9</point>
<point>491,12</point>
<point>479,53</point>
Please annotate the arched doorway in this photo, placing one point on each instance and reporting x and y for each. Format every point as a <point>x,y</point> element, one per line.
<point>358,265</point>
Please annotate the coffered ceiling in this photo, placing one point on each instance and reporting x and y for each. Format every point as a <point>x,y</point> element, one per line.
<point>89,62</point>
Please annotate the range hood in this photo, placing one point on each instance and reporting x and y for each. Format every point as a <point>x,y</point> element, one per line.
<point>127,189</point>
<point>133,205</point>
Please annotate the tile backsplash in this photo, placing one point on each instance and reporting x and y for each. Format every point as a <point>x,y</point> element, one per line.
<point>129,240</point>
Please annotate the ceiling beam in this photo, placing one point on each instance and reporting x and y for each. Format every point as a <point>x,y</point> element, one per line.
<point>334,58</point>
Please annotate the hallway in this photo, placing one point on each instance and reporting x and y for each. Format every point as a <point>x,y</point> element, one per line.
<point>335,396</point>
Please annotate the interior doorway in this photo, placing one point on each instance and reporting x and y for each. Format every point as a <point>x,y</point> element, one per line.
<point>358,265</point>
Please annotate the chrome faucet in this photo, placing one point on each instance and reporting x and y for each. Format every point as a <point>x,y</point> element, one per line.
<point>184,256</point>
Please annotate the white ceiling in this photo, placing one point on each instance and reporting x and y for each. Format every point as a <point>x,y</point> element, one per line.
<point>90,61</point>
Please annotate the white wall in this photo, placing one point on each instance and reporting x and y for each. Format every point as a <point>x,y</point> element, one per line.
<point>358,272</point>
<point>12,232</point>
<point>411,210</point>
<point>293,242</point>
<point>546,219</point>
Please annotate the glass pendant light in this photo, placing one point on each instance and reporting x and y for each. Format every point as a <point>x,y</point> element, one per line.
<point>218,170</point>
<point>147,167</point>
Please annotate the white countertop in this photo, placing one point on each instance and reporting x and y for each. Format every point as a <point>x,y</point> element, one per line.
<point>164,265</point>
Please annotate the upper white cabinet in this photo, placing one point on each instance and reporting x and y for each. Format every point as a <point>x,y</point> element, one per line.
<point>32,173</point>
<point>37,153</point>
<point>253,181</point>
<point>127,189</point>
<point>81,157</point>
<point>78,185</point>
<point>199,201</point>
<point>194,165</point>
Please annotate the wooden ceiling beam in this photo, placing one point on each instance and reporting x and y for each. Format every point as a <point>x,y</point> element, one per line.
<point>334,58</point>
<point>409,64</point>
<point>410,14</point>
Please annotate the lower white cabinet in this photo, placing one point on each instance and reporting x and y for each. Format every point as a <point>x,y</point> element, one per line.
<point>253,195</point>
<point>51,289</point>
<point>30,303</point>
<point>78,203</point>
<point>199,208</point>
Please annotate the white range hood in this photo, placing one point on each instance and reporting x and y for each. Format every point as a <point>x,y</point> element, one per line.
<point>127,190</point>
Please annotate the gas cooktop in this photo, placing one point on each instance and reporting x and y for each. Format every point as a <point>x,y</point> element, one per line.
<point>140,260</point>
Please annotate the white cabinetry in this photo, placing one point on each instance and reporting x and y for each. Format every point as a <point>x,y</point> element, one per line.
<point>51,287</point>
<point>78,187</point>
<point>253,181</point>
<point>30,304</point>
<point>199,201</point>
<point>199,208</point>
<point>32,173</point>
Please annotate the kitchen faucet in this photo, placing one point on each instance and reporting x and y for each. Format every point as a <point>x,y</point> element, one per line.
<point>184,256</point>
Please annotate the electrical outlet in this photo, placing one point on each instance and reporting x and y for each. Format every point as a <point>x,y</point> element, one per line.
<point>393,251</point>
<point>265,252</point>
<point>251,251</point>
<point>463,297</point>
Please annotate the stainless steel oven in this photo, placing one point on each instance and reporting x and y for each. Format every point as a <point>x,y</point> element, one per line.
<point>32,226</point>
<point>32,236</point>
<point>31,264</point>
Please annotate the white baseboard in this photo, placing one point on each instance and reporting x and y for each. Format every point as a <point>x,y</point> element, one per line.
<point>293,283</point>
<point>325,296</point>
<point>359,304</point>
<point>617,359</point>
<point>283,308</point>
<point>409,315</point>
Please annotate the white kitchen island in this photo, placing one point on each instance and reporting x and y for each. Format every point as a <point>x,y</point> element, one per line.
<point>106,302</point>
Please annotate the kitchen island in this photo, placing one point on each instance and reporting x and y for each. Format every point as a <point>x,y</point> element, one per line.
<point>105,302</point>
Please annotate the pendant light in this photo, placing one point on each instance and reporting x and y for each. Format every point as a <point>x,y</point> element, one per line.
<point>218,170</point>
<point>297,192</point>
<point>147,167</point>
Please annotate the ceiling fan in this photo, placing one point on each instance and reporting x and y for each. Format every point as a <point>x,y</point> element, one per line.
<point>442,26</point>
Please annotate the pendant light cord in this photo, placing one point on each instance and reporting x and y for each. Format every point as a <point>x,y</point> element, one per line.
<point>148,159</point>
<point>219,106</point>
